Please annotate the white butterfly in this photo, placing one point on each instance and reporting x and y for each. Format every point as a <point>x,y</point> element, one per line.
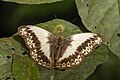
<point>58,52</point>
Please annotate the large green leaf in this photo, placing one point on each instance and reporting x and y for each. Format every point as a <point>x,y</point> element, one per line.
<point>115,42</point>
<point>8,48</point>
<point>32,1</point>
<point>23,68</point>
<point>101,17</point>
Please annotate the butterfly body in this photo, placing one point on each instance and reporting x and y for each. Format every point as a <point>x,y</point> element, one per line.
<point>50,51</point>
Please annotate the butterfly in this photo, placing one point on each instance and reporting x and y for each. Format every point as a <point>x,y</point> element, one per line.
<point>50,51</point>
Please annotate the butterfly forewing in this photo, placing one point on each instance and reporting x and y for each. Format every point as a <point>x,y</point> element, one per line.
<point>80,46</point>
<point>38,41</point>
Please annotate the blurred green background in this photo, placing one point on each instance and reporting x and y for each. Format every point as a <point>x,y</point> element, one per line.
<point>13,15</point>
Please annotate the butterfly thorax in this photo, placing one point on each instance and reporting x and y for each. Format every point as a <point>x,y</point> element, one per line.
<point>60,40</point>
<point>58,48</point>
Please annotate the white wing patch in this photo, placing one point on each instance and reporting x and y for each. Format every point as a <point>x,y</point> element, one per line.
<point>46,49</point>
<point>69,51</point>
<point>43,38</point>
<point>78,39</point>
<point>39,31</point>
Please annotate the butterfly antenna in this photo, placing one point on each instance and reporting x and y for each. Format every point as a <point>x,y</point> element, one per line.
<point>74,20</point>
<point>55,17</point>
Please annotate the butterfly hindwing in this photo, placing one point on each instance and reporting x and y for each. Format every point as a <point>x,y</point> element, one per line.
<point>80,46</point>
<point>38,41</point>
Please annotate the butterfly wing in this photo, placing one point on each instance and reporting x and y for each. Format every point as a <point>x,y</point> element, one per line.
<point>80,45</point>
<point>38,41</point>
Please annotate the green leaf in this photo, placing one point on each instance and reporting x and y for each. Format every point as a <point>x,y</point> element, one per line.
<point>115,42</point>
<point>32,1</point>
<point>67,28</point>
<point>23,68</point>
<point>13,62</point>
<point>8,47</point>
<point>101,17</point>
